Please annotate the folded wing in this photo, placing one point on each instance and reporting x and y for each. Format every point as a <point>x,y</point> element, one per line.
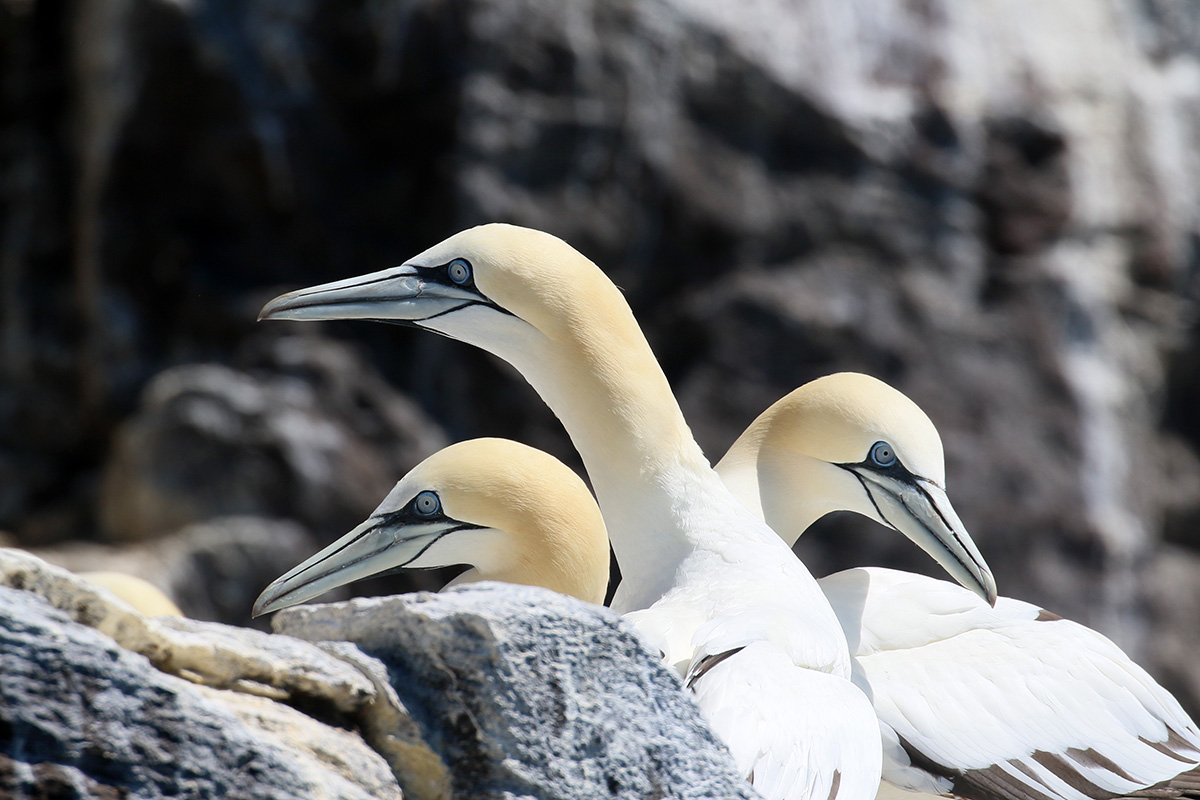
<point>1010,703</point>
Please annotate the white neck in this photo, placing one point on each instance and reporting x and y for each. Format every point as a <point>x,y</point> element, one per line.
<point>650,477</point>
<point>787,491</point>
<point>647,471</point>
<point>665,509</point>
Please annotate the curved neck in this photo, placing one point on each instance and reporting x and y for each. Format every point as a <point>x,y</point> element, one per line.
<point>788,491</point>
<point>580,347</point>
<point>593,368</point>
<point>647,471</point>
<point>793,497</point>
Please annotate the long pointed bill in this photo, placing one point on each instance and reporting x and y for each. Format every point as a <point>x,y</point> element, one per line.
<point>401,294</point>
<point>922,512</point>
<point>373,547</point>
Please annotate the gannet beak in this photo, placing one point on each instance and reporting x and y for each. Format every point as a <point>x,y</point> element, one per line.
<point>399,294</point>
<point>378,545</point>
<point>921,510</point>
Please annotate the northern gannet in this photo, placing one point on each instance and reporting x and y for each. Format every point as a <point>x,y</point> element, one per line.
<point>1003,703</point>
<point>146,598</point>
<point>512,512</point>
<point>703,579</point>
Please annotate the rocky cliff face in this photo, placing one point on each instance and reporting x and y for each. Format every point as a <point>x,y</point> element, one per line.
<point>490,691</point>
<point>990,205</point>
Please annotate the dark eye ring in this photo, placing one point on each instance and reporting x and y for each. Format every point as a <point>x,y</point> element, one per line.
<point>883,454</point>
<point>459,271</point>
<point>426,504</point>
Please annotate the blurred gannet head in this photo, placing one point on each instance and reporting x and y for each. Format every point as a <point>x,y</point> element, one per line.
<point>145,597</point>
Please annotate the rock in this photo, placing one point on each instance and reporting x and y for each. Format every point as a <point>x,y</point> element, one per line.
<point>523,692</point>
<point>321,444</point>
<point>349,388</point>
<point>217,568</point>
<point>488,691</point>
<point>84,718</point>
<point>391,730</point>
<point>335,749</point>
<point>1174,597</point>
<point>215,655</point>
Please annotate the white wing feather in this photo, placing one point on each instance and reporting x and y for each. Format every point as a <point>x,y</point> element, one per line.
<point>1003,702</point>
<point>793,732</point>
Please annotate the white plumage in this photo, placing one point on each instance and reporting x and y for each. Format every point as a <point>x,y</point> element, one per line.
<point>1003,703</point>
<point>696,564</point>
<point>991,703</point>
<point>798,743</point>
<point>1008,700</point>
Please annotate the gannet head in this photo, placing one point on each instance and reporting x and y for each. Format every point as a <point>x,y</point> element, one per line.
<point>534,301</point>
<point>513,512</point>
<point>850,442</point>
<point>500,287</point>
<point>146,598</point>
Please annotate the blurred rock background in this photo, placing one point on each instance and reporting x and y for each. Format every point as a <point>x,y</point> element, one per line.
<point>991,205</point>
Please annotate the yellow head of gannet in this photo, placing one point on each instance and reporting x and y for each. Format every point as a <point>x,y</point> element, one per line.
<point>513,512</point>
<point>503,288</point>
<point>850,442</point>
<point>146,598</point>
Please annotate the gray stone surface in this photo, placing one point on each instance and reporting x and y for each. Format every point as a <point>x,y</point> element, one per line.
<point>487,691</point>
<point>81,717</point>
<point>387,725</point>
<point>525,693</point>
<point>311,434</point>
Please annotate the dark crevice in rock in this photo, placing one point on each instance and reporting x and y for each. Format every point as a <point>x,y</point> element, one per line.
<point>1025,189</point>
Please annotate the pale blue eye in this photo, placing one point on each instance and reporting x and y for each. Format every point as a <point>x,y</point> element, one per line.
<point>459,271</point>
<point>426,504</point>
<point>882,454</point>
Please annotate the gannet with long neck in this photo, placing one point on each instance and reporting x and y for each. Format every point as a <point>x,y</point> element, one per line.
<point>1003,703</point>
<point>512,512</point>
<point>532,300</point>
<point>703,579</point>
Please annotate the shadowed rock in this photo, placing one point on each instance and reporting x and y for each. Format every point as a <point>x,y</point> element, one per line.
<point>319,439</point>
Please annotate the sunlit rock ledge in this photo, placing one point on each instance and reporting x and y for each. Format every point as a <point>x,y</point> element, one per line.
<point>486,691</point>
